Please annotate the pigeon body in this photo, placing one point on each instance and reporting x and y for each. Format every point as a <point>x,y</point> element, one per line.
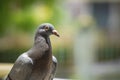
<point>38,62</point>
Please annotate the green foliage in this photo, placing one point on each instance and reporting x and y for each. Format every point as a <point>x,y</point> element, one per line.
<point>21,15</point>
<point>4,15</point>
<point>23,20</point>
<point>108,53</point>
<point>10,55</point>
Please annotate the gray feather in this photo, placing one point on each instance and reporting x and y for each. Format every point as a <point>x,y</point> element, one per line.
<point>54,67</point>
<point>22,68</point>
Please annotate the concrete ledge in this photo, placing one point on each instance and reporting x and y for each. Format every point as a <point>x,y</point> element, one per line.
<point>4,69</point>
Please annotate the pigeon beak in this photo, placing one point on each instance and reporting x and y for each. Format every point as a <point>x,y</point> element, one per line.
<point>54,32</point>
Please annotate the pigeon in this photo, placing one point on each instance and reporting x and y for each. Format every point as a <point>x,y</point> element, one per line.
<point>37,63</point>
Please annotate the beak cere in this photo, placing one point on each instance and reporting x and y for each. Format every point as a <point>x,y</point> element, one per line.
<point>55,33</point>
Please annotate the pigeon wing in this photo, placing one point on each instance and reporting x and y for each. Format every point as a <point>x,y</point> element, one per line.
<point>21,69</point>
<point>54,67</point>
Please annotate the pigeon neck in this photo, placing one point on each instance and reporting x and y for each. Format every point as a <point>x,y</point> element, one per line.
<point>42,40</point>
<point>41,45</point>
<point>48,41</point>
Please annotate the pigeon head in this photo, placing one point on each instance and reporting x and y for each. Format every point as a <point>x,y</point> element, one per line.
<point>46,29</point>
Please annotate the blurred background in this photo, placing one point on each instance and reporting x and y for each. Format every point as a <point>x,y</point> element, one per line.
<point>89,46</point>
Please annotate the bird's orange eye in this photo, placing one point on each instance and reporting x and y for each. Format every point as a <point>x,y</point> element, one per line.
<point>46,28</point>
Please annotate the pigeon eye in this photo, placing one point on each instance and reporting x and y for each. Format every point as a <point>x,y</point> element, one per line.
<point>46,28</point>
